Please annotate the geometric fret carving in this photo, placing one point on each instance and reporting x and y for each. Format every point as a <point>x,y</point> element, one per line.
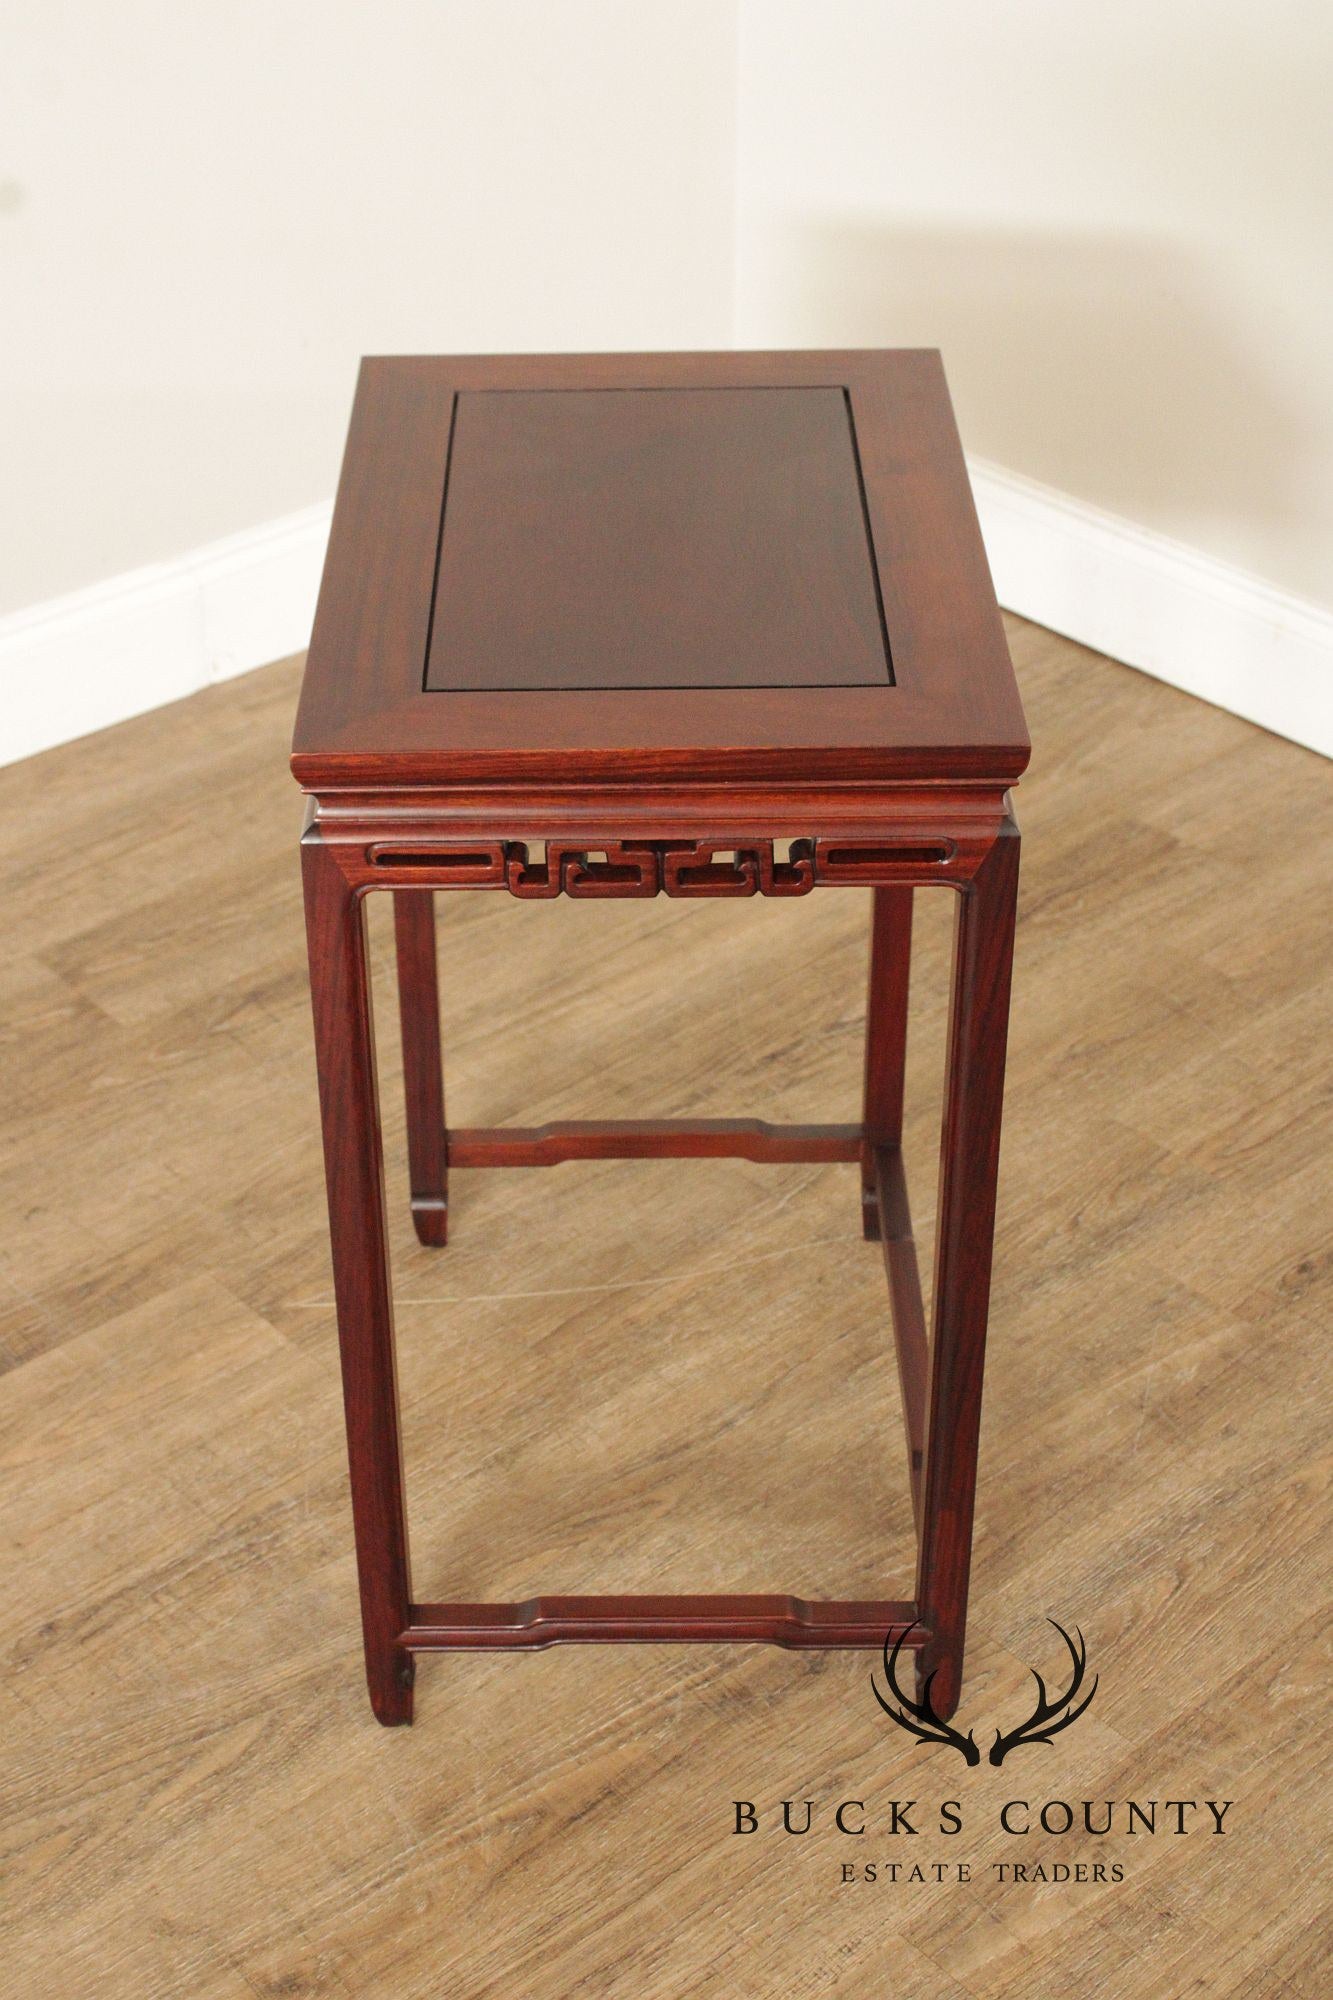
<point>624,868</point>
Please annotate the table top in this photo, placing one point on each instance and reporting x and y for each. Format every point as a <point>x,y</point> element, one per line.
<point>655,568</point>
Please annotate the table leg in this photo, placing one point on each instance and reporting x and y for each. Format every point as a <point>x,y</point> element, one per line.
<point>423,1068</point>
<point>969,1159</point>
<point>354,1170</point>
<point>886,1038</point>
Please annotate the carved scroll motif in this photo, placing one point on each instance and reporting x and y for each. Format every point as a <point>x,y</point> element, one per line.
<point>622,868</point>
<point>671,867</point>
<point>652,867</point>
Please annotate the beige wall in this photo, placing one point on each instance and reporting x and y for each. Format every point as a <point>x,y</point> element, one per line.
<point>1117,222</point>
<point>208,211</point>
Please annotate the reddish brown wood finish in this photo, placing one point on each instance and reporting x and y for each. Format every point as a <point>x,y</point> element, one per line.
<point>969,1162</point>
<point>354,1172</point>
<point>894,1229</point>
<point>366,717</point>
<point>550,1621</point>
<point>423,1067</point>
<point>651,1139</point>
<point>732,516</point>
<point>619,791</point>
<point>886,1038</point>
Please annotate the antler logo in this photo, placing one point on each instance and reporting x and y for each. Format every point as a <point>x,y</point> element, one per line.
<point>919,1719</point>
<point>1049,1717</point>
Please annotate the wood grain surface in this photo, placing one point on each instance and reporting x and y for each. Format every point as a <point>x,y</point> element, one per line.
<point>610,538</point>
<point>367,716</point>
<point>657,1375</point>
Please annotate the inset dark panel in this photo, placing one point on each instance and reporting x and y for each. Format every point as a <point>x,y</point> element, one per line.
<point>641,538</point>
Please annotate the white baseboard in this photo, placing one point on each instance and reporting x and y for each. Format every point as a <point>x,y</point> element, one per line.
<point>152,635</point>
<point>1203,626</point>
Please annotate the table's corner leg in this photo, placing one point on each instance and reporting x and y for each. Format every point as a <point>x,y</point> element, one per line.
<point>886,1038</point>
<point>392,1695</point>
<point>423,1064</point>
<point>969,1161</point>
<point>354,1172</point>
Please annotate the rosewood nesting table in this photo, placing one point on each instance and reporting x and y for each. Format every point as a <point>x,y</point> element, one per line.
<point>681,624</point>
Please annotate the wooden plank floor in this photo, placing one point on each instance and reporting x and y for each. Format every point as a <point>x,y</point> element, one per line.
<point>639,1376</point>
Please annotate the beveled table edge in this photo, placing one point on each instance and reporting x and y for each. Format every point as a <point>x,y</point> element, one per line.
<point>952,714</point>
